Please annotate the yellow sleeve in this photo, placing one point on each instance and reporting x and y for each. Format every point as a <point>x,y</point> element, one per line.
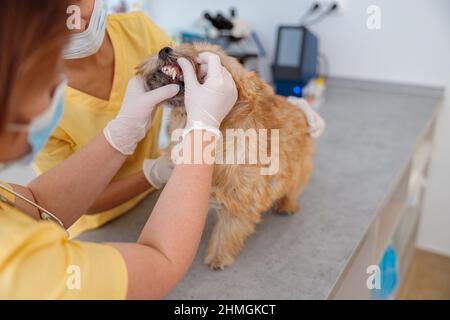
<point>58,148</point>
<point>9,197</point>
<point>40,263</point>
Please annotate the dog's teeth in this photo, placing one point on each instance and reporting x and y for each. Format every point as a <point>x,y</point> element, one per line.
<point>171,71</point>
<point>166,70</point>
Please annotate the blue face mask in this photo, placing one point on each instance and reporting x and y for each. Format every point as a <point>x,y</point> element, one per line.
<point>40,129</point>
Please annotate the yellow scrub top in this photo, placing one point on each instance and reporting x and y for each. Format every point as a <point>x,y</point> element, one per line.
<point>134,38</point>
<point>38,261</point>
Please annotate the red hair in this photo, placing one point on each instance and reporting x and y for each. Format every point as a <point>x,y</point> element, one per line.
<point>32,36</point>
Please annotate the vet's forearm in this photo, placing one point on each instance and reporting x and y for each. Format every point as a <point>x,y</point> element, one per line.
<point>176,224</point>
<point>71,188</point>
<point>23,205</point>
<point>121,191</point>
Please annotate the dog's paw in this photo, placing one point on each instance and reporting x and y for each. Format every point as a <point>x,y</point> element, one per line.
<point>218,263</point>
<point>286,212</point>
<point>287,206</point>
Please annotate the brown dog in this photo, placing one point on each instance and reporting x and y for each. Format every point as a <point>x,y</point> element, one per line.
<point>241,191</point>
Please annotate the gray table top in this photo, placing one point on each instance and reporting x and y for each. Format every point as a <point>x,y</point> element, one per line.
<point>372,131</point>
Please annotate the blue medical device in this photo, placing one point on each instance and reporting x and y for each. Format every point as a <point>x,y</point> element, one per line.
<point>295,60</point>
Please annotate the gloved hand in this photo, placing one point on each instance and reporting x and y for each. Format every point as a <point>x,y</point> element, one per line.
<point>209,103</point>
<point>316,123</point>
<point>135,116</point>
<point>158,171</point>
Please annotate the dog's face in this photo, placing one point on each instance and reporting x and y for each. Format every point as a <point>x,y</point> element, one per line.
<point>162,69</point>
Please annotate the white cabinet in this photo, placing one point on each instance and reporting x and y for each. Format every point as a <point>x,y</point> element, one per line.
<point>396,224</point>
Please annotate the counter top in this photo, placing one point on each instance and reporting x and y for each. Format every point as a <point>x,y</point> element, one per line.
<point>372,131</point>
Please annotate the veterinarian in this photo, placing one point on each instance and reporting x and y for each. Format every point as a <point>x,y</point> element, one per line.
<point>37,258</point>
<point>100,60</point>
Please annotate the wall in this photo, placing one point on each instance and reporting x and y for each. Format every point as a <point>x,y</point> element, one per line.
<point>411,47</point>
<point>434,233</point>
<point>403,50</point>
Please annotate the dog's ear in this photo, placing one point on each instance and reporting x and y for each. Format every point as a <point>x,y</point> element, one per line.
<point>207,47</point>
<point>248,83</point>
<point>238,72</point>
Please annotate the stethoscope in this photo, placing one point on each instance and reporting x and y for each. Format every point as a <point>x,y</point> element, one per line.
<point>45,214</point>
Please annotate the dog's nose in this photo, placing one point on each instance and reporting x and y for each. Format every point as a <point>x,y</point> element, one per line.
<point>165,53</point>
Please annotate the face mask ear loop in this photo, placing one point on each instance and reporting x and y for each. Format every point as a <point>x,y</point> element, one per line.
<point>21,128</point>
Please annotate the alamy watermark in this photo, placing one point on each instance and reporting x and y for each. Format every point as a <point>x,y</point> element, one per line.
<point>73,22</point>
<point>374,17</point>
<point>236,147</point>
<point>374,280</point>
<point>73,281</point>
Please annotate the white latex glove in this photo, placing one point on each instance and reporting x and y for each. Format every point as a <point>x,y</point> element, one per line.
<point>209,103</point>
<point>316,123</point>
<point>158,171</point>
<point>135,116</point>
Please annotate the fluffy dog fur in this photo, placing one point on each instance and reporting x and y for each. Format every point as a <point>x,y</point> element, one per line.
<point>241,192</point>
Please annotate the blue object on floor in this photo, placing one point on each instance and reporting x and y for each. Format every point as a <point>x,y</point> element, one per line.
<point>389,277</point>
